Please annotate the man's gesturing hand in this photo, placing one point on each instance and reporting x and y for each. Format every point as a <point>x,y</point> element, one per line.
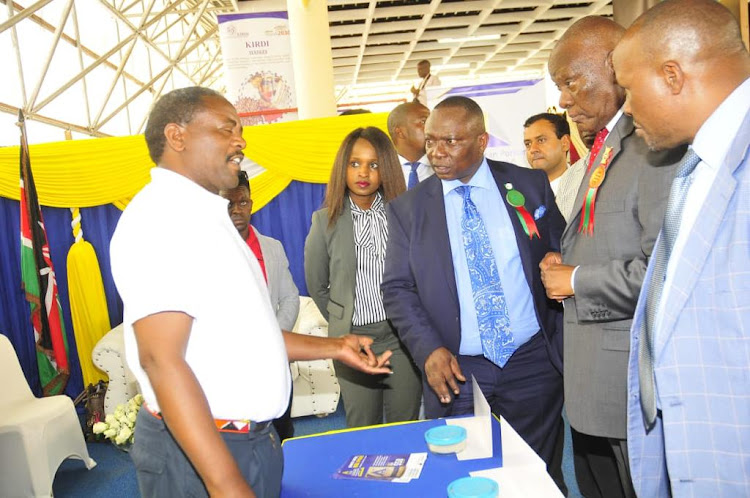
<point>355,351</point>
<point>442,371</point>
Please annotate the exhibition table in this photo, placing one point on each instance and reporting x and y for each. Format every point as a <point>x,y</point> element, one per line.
<point>311,462</point>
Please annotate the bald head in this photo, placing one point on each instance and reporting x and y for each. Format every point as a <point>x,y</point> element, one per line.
<point>696,30</point>
<point>678,62</point>
<point>598,34</point>
<point>473,117</point>
<point>398,116</point>
<point>406,128</point>
<point>581,68</point>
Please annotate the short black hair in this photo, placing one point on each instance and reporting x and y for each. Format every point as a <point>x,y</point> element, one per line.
<point>177,106</point>
<point>243,180</point>
<point>471,108</point>
<point>397,116</point>
<point>558,121</point>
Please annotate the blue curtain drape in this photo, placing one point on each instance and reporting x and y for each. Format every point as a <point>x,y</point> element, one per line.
<point>286,218</point>
<point>98,225</point>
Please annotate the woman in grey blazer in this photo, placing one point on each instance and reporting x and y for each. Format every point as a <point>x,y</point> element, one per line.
<point>344,259</point>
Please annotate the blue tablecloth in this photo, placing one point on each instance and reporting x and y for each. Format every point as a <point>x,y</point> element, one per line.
<point>311,462</point>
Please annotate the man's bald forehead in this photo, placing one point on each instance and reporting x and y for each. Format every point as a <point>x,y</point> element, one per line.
<point>588,36</point>
<point>472,122</point>
<point>687,28</point>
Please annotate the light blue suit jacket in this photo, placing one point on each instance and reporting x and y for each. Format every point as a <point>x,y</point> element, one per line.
<point>701,445</point>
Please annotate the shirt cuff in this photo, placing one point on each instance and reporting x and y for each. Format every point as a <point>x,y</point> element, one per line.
<point>573,279</point>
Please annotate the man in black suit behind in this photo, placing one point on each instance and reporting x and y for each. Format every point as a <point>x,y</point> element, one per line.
<point>430,282</point>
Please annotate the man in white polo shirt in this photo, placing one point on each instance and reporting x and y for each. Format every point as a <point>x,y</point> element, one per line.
<point>211,379</point>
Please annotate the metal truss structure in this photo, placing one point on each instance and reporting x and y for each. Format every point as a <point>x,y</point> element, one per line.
<point>94,67</point>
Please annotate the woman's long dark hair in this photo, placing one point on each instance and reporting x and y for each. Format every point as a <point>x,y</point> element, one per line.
<point>391,176</point>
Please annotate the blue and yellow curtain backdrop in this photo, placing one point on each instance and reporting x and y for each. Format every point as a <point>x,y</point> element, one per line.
<point>100,176</point>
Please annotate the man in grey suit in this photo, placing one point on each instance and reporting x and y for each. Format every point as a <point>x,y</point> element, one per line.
<point>605,248</point>
<point>273,261</point>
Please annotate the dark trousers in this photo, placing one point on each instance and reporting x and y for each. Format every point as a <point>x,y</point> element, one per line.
<point>164,470</point>
<point>528,393</point>
<point>601,466</point>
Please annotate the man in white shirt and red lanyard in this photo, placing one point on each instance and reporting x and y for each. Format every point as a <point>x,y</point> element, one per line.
<point>212,379</point>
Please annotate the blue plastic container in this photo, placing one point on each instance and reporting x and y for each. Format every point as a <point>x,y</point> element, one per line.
<point>446,439</point>
<point>473,487</point>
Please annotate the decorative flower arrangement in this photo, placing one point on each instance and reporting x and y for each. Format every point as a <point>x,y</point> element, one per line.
<point>119,427</point>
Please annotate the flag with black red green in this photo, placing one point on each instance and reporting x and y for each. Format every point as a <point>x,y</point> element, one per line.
<point>39,283</point>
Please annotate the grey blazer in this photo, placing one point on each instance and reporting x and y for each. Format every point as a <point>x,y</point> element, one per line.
<point>331,268</point>
<point>283,292</point>
<point>630,208</point>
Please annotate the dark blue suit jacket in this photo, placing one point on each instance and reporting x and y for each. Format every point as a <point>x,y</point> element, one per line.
<point>419,286</point>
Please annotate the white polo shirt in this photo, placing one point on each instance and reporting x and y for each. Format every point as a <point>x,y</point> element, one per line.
<point>176,249</point>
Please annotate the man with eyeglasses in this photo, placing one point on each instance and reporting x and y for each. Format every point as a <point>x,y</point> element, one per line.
<point>275,267</point>
<point>462,282</point>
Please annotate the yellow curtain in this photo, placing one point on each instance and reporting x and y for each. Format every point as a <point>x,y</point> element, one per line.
<point>85,173</point>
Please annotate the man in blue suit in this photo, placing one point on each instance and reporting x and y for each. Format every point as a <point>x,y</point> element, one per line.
<point>687,78</point>
<point>462,284</point>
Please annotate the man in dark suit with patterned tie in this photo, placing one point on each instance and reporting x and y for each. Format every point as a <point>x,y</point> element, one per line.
<point>462,283</point>
<point>406,128</point>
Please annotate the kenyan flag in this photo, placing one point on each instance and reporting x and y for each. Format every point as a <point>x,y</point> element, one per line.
<point>39,283</point>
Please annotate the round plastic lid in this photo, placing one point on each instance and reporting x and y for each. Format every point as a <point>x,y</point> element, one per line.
<point>445,435</point>
<point>473,487</point>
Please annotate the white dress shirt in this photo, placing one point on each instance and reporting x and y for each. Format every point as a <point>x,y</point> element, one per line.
<point>424,170</point>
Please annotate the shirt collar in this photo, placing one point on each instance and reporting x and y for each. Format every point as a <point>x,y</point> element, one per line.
<point>405,161</point>
<point>612,122</point>
<point>377,204</point>
<point>181,186</point>
<point>716,134</point>
<point>482,179</point>
<point>252,237</point>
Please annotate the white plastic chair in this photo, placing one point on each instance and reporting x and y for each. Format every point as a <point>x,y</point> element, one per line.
<point>316,389</point>
<point>36,434</point>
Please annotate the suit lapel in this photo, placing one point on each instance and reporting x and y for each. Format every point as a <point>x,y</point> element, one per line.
<point>701,238</point>
<point>506,175</point>
<point>623,128</point>
<point>343,242</point>
<point>436,231</point>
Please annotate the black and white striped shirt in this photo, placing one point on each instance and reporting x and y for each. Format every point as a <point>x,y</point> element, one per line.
<point>370,236</point>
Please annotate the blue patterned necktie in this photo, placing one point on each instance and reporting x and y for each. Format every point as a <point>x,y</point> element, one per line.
<point>413,176</point>
<point>489,299</point>
<point>669,231</point>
